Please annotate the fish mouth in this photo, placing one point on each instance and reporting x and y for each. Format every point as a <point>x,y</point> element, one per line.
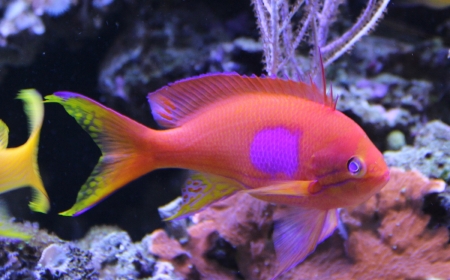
<point>381,171</point>
<point>378,169</point>
<point>338,183</point>
<point>376,180</point>
<point>386,176</point>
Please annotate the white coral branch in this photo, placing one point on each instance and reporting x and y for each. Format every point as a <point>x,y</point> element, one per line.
<point>280,39</point>
<point>366,22</point>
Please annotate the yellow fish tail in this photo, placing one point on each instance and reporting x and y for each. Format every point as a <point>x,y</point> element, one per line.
<point>126,152</point>
<point>19,165</point>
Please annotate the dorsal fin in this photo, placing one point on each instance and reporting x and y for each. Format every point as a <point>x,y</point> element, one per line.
<point>173,103</point>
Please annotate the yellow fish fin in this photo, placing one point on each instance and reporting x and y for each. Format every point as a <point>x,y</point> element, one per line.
<point>35,111</point>
<point>4,131</point>
<point>7,231</point>
<point>283,189</point>
<point>297,231</point>
<point>33,108</point>
<point>200,190</point>
<point>124,143</point>
<point>11,230</point>
<point>19,166</point>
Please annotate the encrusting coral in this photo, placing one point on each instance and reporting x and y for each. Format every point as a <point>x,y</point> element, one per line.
<point>387,237</point>
<point>430,153</point>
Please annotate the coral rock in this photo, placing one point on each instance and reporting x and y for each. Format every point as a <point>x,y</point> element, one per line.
<point>161,245</point>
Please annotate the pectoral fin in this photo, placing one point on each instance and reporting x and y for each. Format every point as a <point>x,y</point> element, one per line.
<point>297,232</point>
<point>202,189</point>
<point>283,189</point>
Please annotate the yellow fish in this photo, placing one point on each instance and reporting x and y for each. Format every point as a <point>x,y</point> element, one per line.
<point>18,165</point>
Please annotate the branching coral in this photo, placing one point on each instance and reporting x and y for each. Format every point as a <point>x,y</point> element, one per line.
<point>280,36</point>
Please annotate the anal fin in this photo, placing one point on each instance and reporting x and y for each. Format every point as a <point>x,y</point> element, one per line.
<point>201,189</point>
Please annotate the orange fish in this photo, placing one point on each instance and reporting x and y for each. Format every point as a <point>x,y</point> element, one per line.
<point>18,165</point>
<point>278,140</point>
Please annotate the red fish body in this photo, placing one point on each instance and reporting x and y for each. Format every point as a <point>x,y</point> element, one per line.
<point>280,141</point>
<point>233,130</point>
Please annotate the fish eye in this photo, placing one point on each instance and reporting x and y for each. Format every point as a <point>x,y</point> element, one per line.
<point>355,166</point>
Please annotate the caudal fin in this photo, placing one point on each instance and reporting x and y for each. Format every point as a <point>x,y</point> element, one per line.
<point>19,165</point>
<point>126,152</point>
